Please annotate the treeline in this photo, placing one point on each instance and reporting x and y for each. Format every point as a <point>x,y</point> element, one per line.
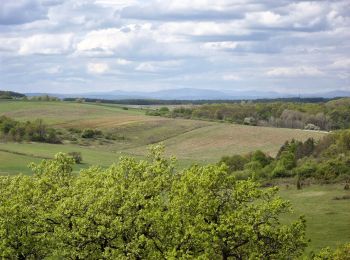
<point>42,98</point>
<point>331,115</point>
<point>36,131</point>
<point>327,160</point>
<point>10,95</point>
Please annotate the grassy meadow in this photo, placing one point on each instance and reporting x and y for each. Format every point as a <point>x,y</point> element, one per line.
<point>327,219</point>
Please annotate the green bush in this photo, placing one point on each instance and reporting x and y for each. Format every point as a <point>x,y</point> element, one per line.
<point>76,156</point>
<point>90,133</point>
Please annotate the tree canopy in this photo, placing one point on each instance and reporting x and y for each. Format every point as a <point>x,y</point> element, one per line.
<point>143,210</point>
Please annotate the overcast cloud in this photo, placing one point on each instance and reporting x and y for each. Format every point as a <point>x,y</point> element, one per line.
<point>101,45</point>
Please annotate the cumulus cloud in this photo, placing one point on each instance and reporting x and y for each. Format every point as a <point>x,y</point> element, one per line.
<point>341,64</point>
<point>97,68</point>
<point>147,67</point>
<point>123,62</point>
<point>45,44</point>
<point>294,71</point>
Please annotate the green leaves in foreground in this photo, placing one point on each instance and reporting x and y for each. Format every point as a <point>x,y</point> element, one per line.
<point>142,210</point>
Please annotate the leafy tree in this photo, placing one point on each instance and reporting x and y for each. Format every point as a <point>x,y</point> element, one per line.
<point>142,210</point>
<point>235,162</point>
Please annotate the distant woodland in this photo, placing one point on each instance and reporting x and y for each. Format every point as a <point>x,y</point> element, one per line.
<point>334,114</point>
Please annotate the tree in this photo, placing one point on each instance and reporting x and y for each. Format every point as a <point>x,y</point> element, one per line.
<point>235,162</point>
<point>142,210</point>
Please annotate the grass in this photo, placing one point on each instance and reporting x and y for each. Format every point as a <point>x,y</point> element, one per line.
<point>327,219</point>
<point>211,142</point>
<point>191,141</point>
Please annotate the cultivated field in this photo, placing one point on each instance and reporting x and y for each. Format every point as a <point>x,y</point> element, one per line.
<point>189,140</point>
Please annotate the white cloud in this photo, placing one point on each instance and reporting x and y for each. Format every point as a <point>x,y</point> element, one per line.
<point>230,77</point>
<point>123,62</point>
<point>45,44</point>
<point>106,40</point>
<point>147,67</point>
<point>115,41</point>
<point>267,18</point>
<point>220,45</point>
<point>97,68</point>
<point>53,70</point>
<point>294,71</point>
<point>341,64</point>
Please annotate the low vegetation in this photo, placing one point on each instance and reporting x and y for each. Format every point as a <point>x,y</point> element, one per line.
<point>36,131</point>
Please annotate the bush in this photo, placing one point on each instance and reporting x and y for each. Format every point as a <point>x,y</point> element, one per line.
<point>76,156</point>
<point>90,133</point>
<point>312,127</point>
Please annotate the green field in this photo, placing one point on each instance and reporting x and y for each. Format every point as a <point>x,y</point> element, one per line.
<point>327,219</point>
<point>191,141</point>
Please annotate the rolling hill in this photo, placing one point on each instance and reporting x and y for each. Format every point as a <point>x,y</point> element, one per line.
<point>189,140</point>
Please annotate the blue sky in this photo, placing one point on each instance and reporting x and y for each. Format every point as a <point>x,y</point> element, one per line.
<point>71,46</point>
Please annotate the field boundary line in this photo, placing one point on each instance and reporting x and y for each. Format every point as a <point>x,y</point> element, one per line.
<point>25,154</point>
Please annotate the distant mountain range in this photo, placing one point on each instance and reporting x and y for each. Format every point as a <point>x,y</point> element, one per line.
<point>192,94</point>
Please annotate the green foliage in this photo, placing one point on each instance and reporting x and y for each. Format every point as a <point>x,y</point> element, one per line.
<point>310,116</point>
<point>90,133</point>
<point>341,253</point>
<point>163,111</point>
<point>45,98</point>
<point>235,162</point>
<point>327,160</point>
<point>35,131</point>
<point>142,210</point>
<point>261,157</point>
<point>76,156</point>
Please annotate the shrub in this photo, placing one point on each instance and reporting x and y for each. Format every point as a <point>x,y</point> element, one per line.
<point>76,156</point>
<point>90,133</point>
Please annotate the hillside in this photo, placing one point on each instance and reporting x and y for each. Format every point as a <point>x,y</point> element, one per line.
<point>189,140</point>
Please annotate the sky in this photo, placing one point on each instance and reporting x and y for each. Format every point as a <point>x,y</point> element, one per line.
<point>75,46</point>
